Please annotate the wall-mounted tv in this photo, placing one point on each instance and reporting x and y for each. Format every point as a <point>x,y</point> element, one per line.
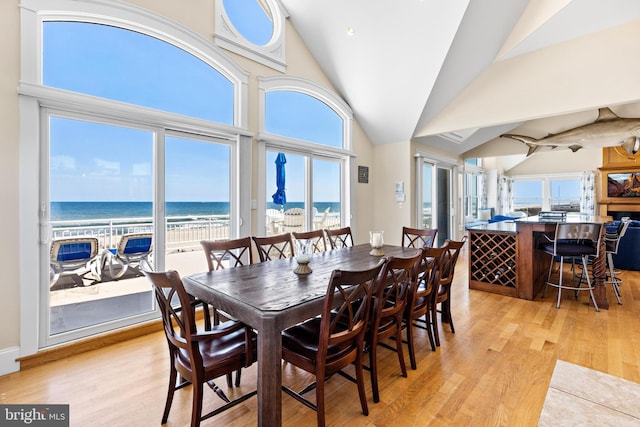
<point>623,184</point>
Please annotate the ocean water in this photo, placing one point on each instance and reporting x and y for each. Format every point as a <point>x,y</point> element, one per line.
<point>73,211</point>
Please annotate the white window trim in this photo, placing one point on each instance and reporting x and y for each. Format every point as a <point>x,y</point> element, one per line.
<point>546,184</point>
<point>269,141</point>
<point>272,54</point>
<point>308,87</point>
<point>34,97</point>
<point>456,203</point>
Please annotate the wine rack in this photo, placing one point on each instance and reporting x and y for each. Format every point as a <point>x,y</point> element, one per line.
<point>492,262</point>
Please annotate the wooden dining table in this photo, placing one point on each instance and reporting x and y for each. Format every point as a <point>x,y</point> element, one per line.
<point>270,297</point>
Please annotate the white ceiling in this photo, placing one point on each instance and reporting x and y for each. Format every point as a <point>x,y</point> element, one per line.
<point>416,69</point>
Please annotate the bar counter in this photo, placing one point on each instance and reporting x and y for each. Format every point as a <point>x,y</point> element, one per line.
<point>505,257</point>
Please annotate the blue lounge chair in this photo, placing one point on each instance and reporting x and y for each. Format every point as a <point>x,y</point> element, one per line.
<point>132,249</point>
<point>76,255</point>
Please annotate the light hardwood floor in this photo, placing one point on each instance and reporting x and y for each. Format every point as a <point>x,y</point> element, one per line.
<point>493,371</point>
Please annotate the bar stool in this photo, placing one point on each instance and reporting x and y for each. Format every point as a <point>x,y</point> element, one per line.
<point>612,241</point>
<point>573,240</point>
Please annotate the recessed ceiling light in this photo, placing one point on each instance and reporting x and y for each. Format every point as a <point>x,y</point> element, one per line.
<point>350,31</point>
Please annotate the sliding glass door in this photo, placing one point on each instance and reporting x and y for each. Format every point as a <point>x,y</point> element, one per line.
<point>100,195</point>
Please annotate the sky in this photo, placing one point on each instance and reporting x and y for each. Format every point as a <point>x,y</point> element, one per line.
<point>131,67</point>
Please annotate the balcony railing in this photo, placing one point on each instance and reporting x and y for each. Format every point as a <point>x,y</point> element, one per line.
<point>183,233</point>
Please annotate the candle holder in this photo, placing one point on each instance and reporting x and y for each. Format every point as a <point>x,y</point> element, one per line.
<point>303,257</point>
<point>376,239</point>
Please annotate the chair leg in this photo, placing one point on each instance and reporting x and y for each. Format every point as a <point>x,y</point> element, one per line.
<point>412,354</point>
<point>373,364</point>
<point>173,376</point>
<point>360,379</point>
<point>544,290</point>
<point>238,373</point>
<point>196,407</point>
<point>560,282</point>
<point>614,279</point>
<point>584,265</point>
<point>403,367</point>
<point>430,331</point>
<point>320,400</point>
<point>434,322</point>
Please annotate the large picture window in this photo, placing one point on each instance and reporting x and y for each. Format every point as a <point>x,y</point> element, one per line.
<point>138,151</point>
<point>310,128</point>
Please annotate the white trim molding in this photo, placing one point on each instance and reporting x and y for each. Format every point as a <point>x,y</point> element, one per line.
<point>8,362</point>
<point>272,54</point>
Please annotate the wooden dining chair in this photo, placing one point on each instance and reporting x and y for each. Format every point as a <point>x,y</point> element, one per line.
<point>334,340</point>
<point>419,299</point>
<point>199,357</point>
<point>339,237</point>
<point>274,247</point>
<point>398,275</point>
<point>442,289</point>
<point>227,254</point>
<point>418,237</point>
<point>316,237</point>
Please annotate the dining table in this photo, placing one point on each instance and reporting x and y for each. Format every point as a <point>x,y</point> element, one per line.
<point>270,297</point>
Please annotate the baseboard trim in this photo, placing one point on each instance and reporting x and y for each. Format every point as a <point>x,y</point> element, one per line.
<point>8,360</point>
<point>83,345</point>
<point>87,344</point>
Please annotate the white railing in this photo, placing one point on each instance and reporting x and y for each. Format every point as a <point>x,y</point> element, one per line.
<point>183,233</point>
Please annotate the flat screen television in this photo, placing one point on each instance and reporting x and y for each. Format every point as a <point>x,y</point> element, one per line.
<point>623,184</point>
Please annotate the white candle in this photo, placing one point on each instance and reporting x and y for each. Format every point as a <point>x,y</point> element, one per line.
<point>376,240</point>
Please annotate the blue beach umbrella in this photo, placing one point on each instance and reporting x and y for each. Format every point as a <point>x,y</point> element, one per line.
<point>279,197</point>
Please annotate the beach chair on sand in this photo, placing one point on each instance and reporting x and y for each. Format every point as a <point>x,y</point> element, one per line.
<point>132,249</point>
<point>72,256</point>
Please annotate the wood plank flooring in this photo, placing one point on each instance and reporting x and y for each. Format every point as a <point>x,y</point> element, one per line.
<point>493,371</point>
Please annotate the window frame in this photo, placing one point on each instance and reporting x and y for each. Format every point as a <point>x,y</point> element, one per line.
<point>272,54</point>
<point>546,184</point>
<point>310,150</point>
<point>36,102</point>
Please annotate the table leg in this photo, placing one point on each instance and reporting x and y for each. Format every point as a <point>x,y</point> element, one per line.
<point>269,374</point>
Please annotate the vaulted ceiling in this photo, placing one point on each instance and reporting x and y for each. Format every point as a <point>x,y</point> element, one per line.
<point>455,75</point>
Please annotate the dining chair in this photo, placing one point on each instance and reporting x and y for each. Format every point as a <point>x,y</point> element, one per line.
<point>418,237</point>
<point>326,344</point>
<point>274,247</point>
<point>398,275</point>
<point>419,299</point>
<point>227,254</point>
<point>339,237</point>
<point>199,357</point>
<point>316,237</point>
<point>573,240</point>
<point>442,289</point>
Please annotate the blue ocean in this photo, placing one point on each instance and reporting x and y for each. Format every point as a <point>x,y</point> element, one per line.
<point>70,211</point>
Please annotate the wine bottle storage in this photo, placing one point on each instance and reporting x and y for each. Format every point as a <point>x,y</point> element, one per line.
<point>492,261</point>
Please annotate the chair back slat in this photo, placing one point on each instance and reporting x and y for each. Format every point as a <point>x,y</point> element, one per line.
<point>339,237</point>
<point>274,247</point>
<point>346,310</point>
<point>227,253</point>
<point>418,237</point>
<point>316,237</point>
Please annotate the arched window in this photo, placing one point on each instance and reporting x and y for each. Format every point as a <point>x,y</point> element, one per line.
<point>254,29</point>
<point>312,128</point>
<point>131,124</point>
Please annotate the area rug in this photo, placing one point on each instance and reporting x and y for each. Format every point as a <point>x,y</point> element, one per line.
<point>579,396</point>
